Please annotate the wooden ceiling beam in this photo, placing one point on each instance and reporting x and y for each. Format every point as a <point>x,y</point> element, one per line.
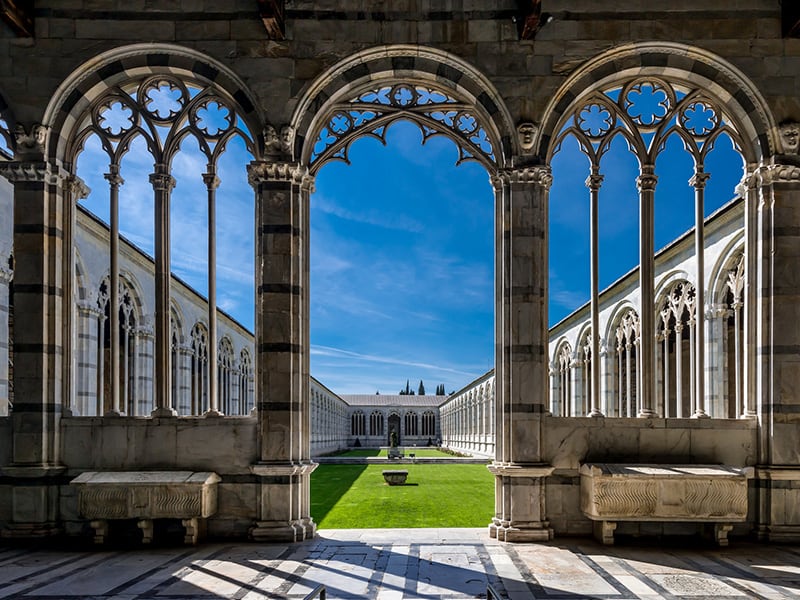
<point>273,14</point>
<point>18,14</point>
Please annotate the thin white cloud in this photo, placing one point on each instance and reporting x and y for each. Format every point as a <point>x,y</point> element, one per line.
<point>340,352</point>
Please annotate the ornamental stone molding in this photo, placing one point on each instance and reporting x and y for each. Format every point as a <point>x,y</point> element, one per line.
<point>263,172</point>
<point>283,469</point>
<point>17,171</point>
<point>775,173</point>
<point>77,188</point>
<point>534,471</point>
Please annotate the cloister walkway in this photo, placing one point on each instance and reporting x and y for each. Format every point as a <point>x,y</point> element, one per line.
<point>404,564</point>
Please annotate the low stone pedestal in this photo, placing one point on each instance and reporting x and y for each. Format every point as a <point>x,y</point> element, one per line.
<point>395,477</point>
<point>713,495</point>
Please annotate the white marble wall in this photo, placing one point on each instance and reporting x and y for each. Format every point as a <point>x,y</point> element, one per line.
<point>330,420</point>
<point>468,418</point>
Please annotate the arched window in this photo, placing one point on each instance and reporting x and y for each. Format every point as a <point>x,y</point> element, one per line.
<point>225,379</point>
<point>627,335</point>
<point>734,302</point>
<point>562,381</point>
<point>120,393</point>
<point>245,382</point>
<point>642,120</point>
<point>158,118</point>
<point>428,423</point>
<point>357,424</point>
<point>676,334</point>
<point>180,397</point>
<point>412,423</point>
<point>199,369</point>
<point>376,423</point>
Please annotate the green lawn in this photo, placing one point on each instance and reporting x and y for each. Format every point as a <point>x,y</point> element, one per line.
<point>419,452</point>
<point>356,497</point>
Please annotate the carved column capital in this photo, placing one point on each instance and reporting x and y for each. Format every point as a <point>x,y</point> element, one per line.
<point>114,178</point>
<point>647,180</point>
<point>699,179</point>
<point>594,181</point>
<point>6,274</point>
<point>162,181</point>
<point>211,180</point>
<point>76,187</point>
<point>264,172</point>
<point>540,175</point>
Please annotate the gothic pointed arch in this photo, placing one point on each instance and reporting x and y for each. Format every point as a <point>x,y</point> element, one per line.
<point>439,92</point>
<point>113,77</point>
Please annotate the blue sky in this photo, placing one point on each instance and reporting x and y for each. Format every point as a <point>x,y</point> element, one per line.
<point>402,245</point>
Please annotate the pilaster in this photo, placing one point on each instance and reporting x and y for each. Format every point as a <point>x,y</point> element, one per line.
<point>282,401</point>
<point>39,344</point>
<point>521,364</point>
<point>777,373</point>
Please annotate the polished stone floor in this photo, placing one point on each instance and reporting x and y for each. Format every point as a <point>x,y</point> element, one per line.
<point>404,564</point>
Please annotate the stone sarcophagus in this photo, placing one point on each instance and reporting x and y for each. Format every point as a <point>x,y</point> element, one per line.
<point>147,495</point>
<point>715,494</point>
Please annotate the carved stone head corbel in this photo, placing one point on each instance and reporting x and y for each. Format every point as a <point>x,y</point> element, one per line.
<point>287,139</point>
<point>790,138</point>
<point>527,134</point>
<point>32,142</point>
<point>272,143</point>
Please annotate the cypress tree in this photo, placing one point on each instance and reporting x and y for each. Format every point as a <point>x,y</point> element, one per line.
<point>421,390</point>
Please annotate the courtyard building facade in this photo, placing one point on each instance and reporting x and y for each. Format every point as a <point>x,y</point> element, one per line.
<point>294,83</point>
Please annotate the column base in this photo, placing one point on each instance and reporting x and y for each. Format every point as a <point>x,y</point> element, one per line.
<point>164,411</point>
<point>532,532</point>
<point>113,413</point>
<point>278,531</point>
<point>212,413</point>
<point>778,533</point>
<point>19,531</point>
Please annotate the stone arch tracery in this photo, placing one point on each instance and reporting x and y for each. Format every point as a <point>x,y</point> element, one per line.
<point>162,94</point>
<point>628,92</point>
<point>439,92</point>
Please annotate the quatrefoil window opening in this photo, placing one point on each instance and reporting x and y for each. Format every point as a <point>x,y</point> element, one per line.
<point>434,111</point>
<point>646,112</point>
<point>163,110</point>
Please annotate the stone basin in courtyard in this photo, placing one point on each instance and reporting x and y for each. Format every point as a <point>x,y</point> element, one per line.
<point>395,476</point>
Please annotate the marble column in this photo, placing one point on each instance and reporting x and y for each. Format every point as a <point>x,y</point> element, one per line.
<point>778,341</point>
<point>593,182</point>
<point>114,181</point>
<point>698,182</point>
<point>646,182</point>
<point>5,278</point>
<point>212,183</point>
<point>521,353</point>
<point>41,190</point>
<point>282,398</point>
<point>162,183</point>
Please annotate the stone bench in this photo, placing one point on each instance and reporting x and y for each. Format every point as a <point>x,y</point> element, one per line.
<point>707,494</point>
<point>395,476</point>
<point>147,495</point>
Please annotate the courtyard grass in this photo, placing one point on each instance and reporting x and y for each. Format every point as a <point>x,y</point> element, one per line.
<point>435,495</point>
